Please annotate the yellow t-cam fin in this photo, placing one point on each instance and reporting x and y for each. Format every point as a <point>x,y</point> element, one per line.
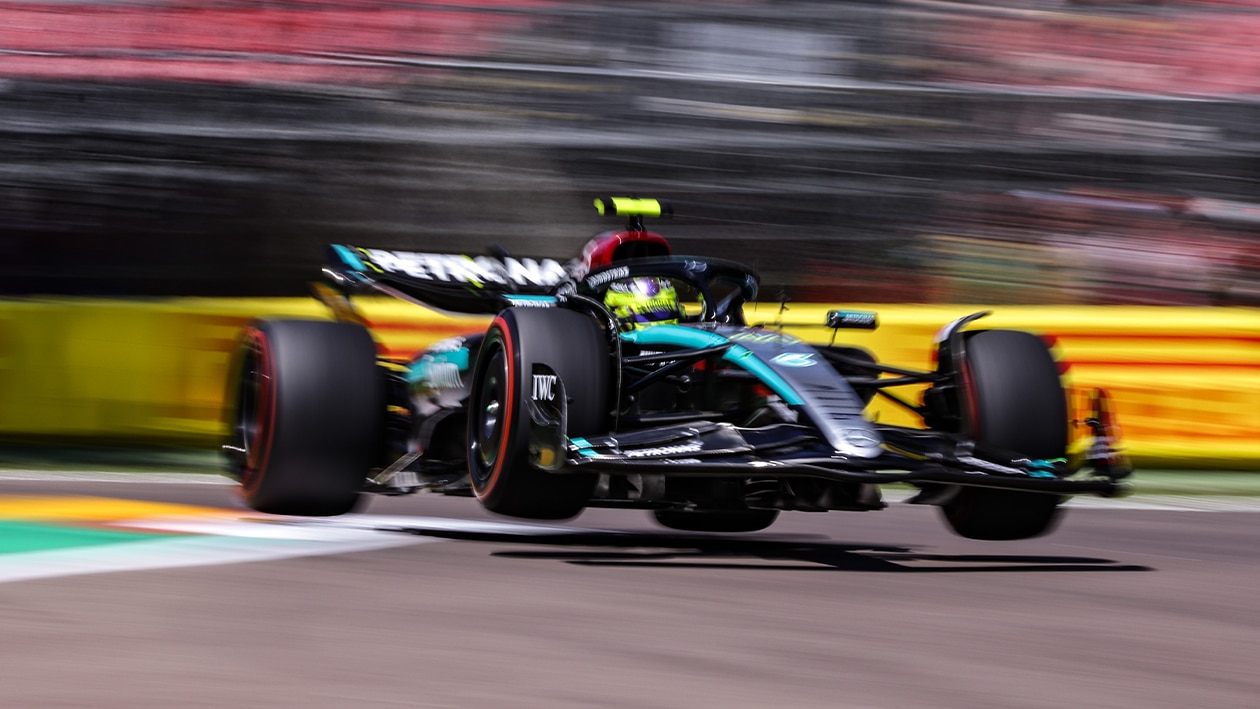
<point>631,207</point>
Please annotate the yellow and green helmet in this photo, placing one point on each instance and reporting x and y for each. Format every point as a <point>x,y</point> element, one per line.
<point>643,301</point>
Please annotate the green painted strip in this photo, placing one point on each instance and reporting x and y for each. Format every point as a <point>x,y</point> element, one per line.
<point>19,537</point>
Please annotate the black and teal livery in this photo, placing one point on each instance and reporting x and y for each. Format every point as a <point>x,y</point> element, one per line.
<point>712,423</point>
<point>801,378</point>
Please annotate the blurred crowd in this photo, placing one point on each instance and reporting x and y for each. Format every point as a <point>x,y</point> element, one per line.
<point>1179,48</point>
<point>1094,246</point>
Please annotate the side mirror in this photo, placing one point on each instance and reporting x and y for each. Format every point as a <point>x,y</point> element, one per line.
<point>852,320</point>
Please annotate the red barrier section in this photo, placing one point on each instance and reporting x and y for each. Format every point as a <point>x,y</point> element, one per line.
<point>1180,52</point>
<point>242,42</point>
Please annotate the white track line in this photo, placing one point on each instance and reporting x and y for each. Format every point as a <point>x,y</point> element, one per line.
<point>186,552</point>
<point>111,476</point>
<point>1170,503</point>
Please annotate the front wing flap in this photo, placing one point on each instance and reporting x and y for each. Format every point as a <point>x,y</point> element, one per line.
<point>710,449</point>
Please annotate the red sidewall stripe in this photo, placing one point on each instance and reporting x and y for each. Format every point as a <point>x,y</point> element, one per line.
<point>970,405</point>
<point>505,423</point>
<point>264,414</point>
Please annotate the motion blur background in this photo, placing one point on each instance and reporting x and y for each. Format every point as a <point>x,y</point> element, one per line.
<point>1087,152</point>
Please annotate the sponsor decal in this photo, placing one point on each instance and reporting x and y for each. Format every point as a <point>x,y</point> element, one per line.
<point>859,319</point>
<point>544,387</point>
<point>460,268</point>
<point>526,301</point>
<point>664,450</point>
<point>795,359</point>
<point>611,274</point>
<point>764,337</point>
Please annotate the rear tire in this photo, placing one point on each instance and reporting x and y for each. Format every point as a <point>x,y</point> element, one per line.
<point>716,520</point>
<point>307,401</point>
<point>573,346</point>
<point>1012,399</point>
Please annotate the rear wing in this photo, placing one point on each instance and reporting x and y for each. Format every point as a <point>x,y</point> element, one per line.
<point>457,283</point>
<point>486,284</point>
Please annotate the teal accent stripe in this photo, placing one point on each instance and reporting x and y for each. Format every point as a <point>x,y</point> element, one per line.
<point>419,370</point>
<point>352,260</point>
<point>584,447</point>
<point>531,298</point>
<point>740,356</point>
<point>460,358</point>
<point>744,358</point>
<point>675,335</point>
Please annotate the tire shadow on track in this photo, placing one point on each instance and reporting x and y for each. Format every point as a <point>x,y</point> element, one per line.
<point>623,549</point>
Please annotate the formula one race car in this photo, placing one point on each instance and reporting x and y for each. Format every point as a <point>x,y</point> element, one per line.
<point>628,377</point>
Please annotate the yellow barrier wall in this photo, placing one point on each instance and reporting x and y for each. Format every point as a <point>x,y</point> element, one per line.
<point>1186,381</point>
<point>152,370</point>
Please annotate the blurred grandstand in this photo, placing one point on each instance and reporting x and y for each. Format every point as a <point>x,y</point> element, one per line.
<point>918,150</point>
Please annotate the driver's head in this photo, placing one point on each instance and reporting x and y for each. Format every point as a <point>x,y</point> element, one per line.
<point>643,301</point>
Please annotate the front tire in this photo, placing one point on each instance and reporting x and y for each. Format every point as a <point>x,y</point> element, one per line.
<point>572,346</point>
<point>307,401</point>
<point>1012,399</point>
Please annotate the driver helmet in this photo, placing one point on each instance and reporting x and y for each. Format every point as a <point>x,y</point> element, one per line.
<point>643,301</point>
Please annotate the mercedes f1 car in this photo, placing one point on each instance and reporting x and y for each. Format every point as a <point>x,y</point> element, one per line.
<point>630,377</point>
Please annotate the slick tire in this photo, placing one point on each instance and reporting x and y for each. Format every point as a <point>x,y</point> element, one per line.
<point>574,347</point>
<point>1011,398</point>
<point>306,406</point>
<point>716,520</point>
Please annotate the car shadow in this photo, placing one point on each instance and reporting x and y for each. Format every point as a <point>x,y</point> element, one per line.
<point>708,551</point>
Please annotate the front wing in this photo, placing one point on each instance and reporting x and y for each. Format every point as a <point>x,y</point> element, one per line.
<point>708,449</point>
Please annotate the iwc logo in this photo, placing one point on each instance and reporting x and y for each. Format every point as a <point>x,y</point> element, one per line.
<point>544,387</point>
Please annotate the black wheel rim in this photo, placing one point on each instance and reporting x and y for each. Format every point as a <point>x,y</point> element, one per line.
<point>247,405</point>
<point>254,394</point>
<point>488,423</point>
